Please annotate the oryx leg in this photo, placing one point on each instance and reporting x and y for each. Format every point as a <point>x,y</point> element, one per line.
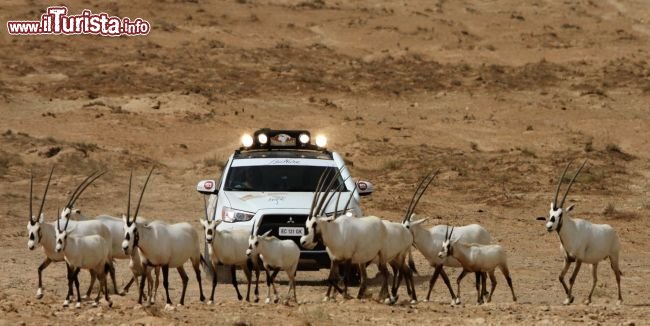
<point>364,281</point>
<point>479,292</point>
<point>185,279</point>
<point>460,278</point>
<point>255,265</point>
<point>141,287</point>
<point>397,277</point>
<point>249,280</point>
<point>196,264</point>
<point>149,284</point>
<point>46,262</point>
<point>506,274</point>
<point>70,285</point>
<point>567,264</point>
<point>594,273</point>
<point>165,272</point>
<point>112,273</point>
<point>493,284</point>
<point>332,279</point>
<point>275,290</point>
<point>214,281</point>
<point>233,276</point>
<point>613,260</point>
<point>156,284</point>
<point>106,297</point>
<point>384,271</point>
<point>93,276</point>
<point>128,284</point>
<point>102,281</point>
<point>75,277</point>
<point>572,280</point>
<point>433,279</point>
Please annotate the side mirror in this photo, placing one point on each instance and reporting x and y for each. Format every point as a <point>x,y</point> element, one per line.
<point>365,188</point>
<point>207,187</point>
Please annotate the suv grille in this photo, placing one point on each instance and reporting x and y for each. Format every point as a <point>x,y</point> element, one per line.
<point>273,222</point>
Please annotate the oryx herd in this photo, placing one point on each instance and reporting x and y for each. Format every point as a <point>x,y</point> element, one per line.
<point>352,242</point>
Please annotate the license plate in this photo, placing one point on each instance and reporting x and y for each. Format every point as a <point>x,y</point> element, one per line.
<point>291,231</point>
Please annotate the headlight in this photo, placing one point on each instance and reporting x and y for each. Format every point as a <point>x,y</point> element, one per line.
<point>321,141</point>
<point>303,138</point>
<point>232,215</point>
<point>247,140</point>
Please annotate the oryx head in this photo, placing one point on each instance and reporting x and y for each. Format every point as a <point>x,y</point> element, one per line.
<point>131,234</point>
<point>324,192</point>
<point>209,224</point>
<point>34,224</point>
<point>556,213</point>
<point>408,221</point>
<point>61,234</point>
<point>447,245</point>
<point>253,242</point>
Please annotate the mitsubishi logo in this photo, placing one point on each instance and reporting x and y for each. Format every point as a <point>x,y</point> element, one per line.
<point>290,221</point>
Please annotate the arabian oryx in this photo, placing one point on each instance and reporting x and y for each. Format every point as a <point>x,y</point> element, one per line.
<point>91,252</point>
<point>165,245</point>
<point>352,240</point>
<point>41,233</point>
<point>479,259</point>
<point>276,255</point>
<point>582,241</point>
<point>229,248</point>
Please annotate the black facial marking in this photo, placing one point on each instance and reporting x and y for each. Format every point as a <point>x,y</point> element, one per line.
<point>552,219</point>
<point>209,231</point>
<point>127,237</point>
<point>31,236</point>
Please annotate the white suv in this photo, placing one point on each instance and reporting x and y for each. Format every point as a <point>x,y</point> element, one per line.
<point>271,180</point>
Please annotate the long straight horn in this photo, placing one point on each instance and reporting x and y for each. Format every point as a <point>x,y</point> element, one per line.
<point>571,183</point>
<point>58,218</point>
<point>421,193</point>
<point>137,208</point>
<point>345,209</point>
<point>40,210</point>
<point>128,200</point>
<point>408,209</point>
<point>452,232</point>
<point>335,191</point>
<point>316,191</point>
<point>319,193</point>
<point>328,189</point>
<point>447,233</point>
<point>84,188</point>
<point>67,220</point>
<point>74,193</point>
<point>31,185</point>
<point>205,209</point>
<point>557,191</point>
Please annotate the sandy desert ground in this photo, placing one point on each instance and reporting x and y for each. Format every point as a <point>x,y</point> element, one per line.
<point>497,94</point>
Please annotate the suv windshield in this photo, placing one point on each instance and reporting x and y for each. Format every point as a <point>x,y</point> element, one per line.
<point>298,178</point>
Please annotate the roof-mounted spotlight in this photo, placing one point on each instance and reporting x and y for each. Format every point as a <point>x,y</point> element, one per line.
<point>262,139</point>
<point>321,141</point>
<point>304,139</point>
<point>247,140</point>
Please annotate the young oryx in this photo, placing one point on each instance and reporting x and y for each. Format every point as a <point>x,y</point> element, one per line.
<point>276,255</point>
<point>165,245</point>
<point>116,226</point>
<point>582,242</point>
<point>41,233</point>
<point>353,240</point>
<point>478,258</point>
<point>399,241</point>
<point>229,248</point>
<point>429,243</point>
<point>91,252</point>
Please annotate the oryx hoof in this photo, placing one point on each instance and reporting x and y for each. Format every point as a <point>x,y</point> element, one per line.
<point>587,302</point>
<point>568,300</point>
<point>276,300</point>
<point>325,299</point>
<point>257,299</point>
<point>169,307</point>
<point>239,297</point>
<point>66,303</point>
<point>78,305</point>
<point>413,301</point>
<point>85,297</point>
<point>95,304</point>
<point>121,294</point>
<point>619,302</point>
<point>152,301</point>
<point>267,301</point>
<point>455,301</point>
<point>39,294</point>
<point>209,302</point>
<point>110,303</point>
